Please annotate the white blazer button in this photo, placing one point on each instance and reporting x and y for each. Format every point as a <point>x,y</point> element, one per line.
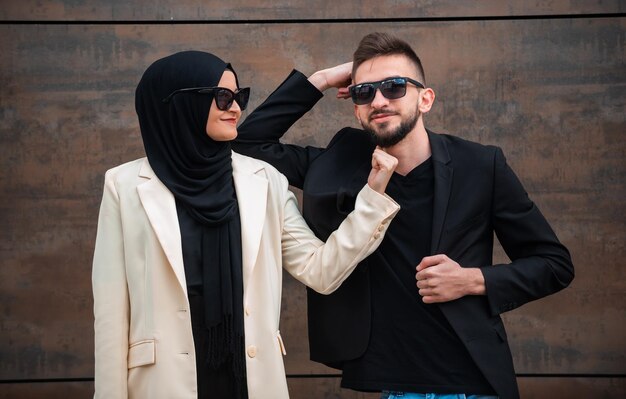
<point>247,311</point>
<point>252,351</point>
<point>377,235</point>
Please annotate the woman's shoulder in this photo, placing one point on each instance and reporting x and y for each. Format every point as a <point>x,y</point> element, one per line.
<point>249,165</point>
<point>244,163</point>
<point>127,170</point>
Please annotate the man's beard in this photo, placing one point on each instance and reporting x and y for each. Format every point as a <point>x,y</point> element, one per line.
<point>392,137</point>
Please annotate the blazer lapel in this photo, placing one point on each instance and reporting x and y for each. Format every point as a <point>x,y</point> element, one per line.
<point>443,186</point>
<point>160,206</point>
<point>251,192</point>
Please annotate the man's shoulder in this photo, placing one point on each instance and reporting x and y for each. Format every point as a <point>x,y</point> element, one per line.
<point>463,153</point>
<point>460,143</point>
<point>458,148</point>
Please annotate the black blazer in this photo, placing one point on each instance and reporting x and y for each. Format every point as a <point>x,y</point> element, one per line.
<point>476,194</point>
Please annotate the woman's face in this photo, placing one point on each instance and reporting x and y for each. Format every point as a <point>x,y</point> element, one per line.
<point>222,125</point>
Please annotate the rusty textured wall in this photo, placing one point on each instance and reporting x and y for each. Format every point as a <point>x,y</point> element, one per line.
<point>546,81</point>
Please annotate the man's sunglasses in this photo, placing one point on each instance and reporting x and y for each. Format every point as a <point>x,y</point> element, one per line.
<point>223,97</point>
<point>391,88</point>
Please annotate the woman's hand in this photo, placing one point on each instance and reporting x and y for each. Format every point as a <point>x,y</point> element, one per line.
<point>383,166</point>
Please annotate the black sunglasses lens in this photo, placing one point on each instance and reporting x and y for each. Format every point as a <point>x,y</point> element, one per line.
<point>242,98</point>
<point>224,99</point>
<point>393,88</point>
<point>363,93</point>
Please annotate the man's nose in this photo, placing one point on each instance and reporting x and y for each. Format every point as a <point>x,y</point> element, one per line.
<point>379,100</point>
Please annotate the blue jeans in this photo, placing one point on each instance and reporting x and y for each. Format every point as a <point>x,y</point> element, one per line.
<point>409,395</point>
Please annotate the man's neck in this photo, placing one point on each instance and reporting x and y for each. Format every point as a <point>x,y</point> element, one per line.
<point>412,150</point>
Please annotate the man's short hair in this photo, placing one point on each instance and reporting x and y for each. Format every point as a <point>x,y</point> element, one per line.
<point>377,44</point>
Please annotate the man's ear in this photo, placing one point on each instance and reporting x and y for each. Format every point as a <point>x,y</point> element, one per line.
<point>356,114</point>
<point>428,98</point>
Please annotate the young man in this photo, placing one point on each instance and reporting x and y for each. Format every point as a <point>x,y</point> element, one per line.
<point>421,314</point>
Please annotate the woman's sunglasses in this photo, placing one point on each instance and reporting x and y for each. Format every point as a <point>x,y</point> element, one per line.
<point>223,97</point>
<point>391,88</point>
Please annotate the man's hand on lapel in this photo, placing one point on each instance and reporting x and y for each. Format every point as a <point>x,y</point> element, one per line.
<point>440,279</point>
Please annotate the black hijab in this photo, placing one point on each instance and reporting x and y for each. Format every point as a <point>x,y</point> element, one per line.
<point>192,166</point>
<point>198,171</point>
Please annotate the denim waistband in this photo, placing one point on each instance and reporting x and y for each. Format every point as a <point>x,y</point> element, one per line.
<point>411,395</point>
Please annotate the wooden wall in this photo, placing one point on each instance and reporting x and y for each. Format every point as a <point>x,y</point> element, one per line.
<point>545,80</point>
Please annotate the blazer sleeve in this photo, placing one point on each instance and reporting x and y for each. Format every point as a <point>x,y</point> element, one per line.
<point>259,135</point>
<point>111,302</point>
<point>324,266</point>
<point>540,264</point>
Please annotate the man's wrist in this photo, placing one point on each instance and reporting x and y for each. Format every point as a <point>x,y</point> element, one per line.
<point>476,281</point>
<point>318,79</point>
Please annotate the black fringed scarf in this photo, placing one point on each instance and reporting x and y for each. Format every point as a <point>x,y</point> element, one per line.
<point>198,171</point>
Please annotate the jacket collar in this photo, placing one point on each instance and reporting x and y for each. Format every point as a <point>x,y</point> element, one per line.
<point>160,206</point>
<point>251,187</point>
<point>443,172</point>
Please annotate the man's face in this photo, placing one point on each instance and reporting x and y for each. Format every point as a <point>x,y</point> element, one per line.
<point>388,121</point>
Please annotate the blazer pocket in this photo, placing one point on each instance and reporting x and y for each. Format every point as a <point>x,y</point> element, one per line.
<point>141,353</point>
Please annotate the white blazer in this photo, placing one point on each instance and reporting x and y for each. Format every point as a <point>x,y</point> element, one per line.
<point>143,342</point>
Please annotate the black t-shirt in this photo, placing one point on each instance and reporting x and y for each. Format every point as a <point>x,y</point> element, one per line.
<point>412,346</point>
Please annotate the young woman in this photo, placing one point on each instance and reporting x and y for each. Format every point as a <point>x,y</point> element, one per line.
<point>191,241</point>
